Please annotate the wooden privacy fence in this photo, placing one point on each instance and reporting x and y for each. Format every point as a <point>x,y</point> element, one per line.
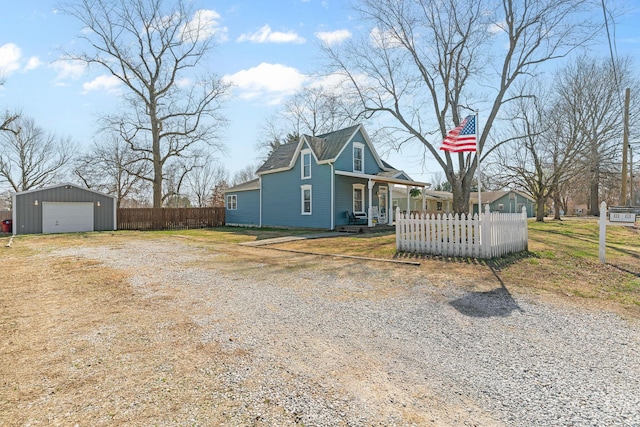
<point>169,218</point>
<point>489,235</point>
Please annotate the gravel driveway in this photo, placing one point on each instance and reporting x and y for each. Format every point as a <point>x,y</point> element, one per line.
<point>331,342</point>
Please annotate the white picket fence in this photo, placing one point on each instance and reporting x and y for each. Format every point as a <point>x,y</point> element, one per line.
<point>489,235</point>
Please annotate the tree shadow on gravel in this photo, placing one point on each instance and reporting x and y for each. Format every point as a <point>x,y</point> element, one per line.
<point>494,303</point>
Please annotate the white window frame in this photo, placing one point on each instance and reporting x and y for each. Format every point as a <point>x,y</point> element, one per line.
<point>305,154</point>
<point>353,197</point>
<point>304,188</point>
<point>232,202</point>
<point>358,146</point>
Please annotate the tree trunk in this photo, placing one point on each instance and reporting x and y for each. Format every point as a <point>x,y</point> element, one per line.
<point>540,209</point>
<point>594,188</point>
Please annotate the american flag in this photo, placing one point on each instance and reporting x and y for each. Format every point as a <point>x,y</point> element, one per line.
<point>462,138</point>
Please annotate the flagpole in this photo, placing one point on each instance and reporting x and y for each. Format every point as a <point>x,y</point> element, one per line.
<point>479,170</point>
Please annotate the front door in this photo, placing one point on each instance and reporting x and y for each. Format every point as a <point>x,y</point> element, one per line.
<point>382,202</point>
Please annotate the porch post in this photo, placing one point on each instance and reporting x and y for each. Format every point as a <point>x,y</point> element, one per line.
<point>369,218</point>
<point>390,211</point>
<point>424,199</point>
<point>408,201</point>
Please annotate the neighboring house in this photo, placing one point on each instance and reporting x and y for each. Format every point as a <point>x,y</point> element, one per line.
<point>317,182</point>
<point>503,201</point>
<point>435,202</point>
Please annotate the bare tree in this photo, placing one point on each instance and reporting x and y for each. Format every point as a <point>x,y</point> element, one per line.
<point>31,157</point>
<point>153,48</point>
<point>313,111</point>
<point>217,197</point>
<point>112,167</point>
<point>245,174</point>
<point>426,61</point>
<point>589,91</point>
<point>317,110</point>
<point>203,179</point>
<point>541,150</point>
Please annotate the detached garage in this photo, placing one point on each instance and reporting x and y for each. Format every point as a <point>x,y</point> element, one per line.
<point>64,208</point>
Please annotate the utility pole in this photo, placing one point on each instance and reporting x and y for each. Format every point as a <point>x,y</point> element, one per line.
<point>625,145</point>
<point>631,199</point>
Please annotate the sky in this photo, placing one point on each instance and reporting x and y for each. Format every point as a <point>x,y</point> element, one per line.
<point>268,49</point>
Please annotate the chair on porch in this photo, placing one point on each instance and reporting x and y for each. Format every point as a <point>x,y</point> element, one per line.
<point>356,219</point>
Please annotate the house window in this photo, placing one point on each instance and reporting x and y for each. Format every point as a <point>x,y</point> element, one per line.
<point>305,197</point>
<point>439,206</point>
<point>358,157</point>
<point>358,197</point>
<point>305,167</point>
<point>232,202</point>
<point>500,207</point>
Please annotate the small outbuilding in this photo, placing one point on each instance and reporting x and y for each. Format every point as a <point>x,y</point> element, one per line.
<point>64,208</point>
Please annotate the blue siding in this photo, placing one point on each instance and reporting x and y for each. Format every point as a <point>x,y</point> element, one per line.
<point>344,162</point>
<point>344,196</point>
<point>248,208</point>
<point>281,197</point>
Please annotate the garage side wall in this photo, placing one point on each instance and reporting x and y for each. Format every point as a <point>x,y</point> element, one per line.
<point>28,215</point>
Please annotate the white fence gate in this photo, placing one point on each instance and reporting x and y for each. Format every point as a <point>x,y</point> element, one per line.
<point>489,235</point>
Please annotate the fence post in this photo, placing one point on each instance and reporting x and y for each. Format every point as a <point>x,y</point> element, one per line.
<point>526,228</point>
<point>399,224</point>
<point>485,233</point>
<point>603,231</point>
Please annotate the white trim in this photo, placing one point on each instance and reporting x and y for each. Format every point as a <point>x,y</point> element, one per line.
<point>14,215</point>
<point>383,189</point>
<point>303,153</point>
<point>235,203</point>
<point>359,146</point>
<point>260,197</point>
<point>303,188</point>
<point>333,196</point>
<point>20,193</point>
<point>353,199</point>
<point>377,178</point>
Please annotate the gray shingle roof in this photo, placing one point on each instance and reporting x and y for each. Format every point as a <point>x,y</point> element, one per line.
<point>254,184</point>
<point>325,147</point>
<point>280,158</point>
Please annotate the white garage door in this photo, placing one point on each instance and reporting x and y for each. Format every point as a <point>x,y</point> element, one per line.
<point>67,217</point>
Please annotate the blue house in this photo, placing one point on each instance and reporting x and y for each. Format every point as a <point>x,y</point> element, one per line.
<point>510,201</point>
<point>319,182</point>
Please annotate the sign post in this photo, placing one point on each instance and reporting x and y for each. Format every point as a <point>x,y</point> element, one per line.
<point>603,231</point>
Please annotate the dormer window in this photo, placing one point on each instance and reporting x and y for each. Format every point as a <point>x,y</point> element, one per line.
<point>305,164</point>
<point>358,157</point>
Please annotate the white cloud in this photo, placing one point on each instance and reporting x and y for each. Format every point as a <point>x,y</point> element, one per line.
<point>266,35</point>
<point>331,38</point>
<point>497,28</point>
<point>384,39</point>
<point>184,82</point>
<point>68,69</point>
<point>205,24</point>
<point>106,83</point>
<point>274,81</point>
<point>9,59</point>
<point>32,63</point>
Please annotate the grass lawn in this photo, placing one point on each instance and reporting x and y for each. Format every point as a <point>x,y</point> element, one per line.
<point>563,259</point>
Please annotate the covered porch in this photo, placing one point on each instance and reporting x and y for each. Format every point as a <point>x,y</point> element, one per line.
<point>381,189</point>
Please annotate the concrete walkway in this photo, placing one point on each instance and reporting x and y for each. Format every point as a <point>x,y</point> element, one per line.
<point>285,239</point>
